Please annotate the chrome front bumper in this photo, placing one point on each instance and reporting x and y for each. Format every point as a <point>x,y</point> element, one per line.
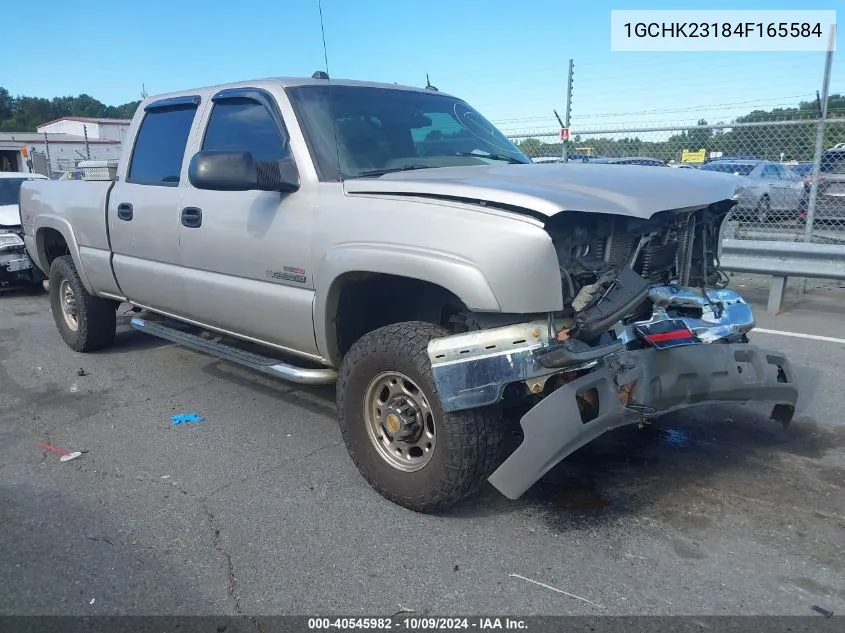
<point>472,370</point>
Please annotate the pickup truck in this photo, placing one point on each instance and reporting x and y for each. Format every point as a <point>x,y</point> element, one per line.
<point>392,241</point>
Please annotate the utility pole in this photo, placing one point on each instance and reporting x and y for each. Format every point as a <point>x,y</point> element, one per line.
<point>568,109</point>
<point>814,183</point>
<point>49,173</point>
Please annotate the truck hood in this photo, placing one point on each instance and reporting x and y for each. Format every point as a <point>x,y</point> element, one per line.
<point>9,216</point>
<point>548,189</point>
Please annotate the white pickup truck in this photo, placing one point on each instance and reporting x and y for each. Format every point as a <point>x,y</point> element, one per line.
<point>392,240</point>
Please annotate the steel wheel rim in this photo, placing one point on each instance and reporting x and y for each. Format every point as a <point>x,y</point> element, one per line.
<point>399,421</point>
<point>67,302</point>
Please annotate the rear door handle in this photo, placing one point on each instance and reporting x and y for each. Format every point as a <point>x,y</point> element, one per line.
<point>124,211</point>
<point>191,217</point>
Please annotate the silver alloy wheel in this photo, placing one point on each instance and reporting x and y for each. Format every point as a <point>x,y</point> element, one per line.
<point>399,420</point>
<point>67,300</point>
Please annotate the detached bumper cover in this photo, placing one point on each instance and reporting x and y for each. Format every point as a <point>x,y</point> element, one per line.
<point>644,383</point>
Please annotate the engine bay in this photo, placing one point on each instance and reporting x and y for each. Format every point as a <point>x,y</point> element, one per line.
<point>608,264</point>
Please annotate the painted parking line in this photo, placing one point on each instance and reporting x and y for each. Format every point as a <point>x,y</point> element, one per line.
<point>814,337</point>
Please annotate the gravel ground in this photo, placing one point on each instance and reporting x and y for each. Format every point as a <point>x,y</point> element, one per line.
<point>259,511</point>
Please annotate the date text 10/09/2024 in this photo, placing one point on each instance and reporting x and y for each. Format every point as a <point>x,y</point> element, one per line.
<point>722,29</point>
<point>417,624</point>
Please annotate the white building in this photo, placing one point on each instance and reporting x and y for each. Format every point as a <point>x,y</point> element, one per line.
<point>52,154</point>
<point>105,129</point>
<point>59,145</point>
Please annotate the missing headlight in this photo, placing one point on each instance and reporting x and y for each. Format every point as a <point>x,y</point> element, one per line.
<point>9,241</point>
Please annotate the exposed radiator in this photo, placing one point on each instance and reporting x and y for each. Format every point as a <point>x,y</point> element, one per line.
<point>655,258</point>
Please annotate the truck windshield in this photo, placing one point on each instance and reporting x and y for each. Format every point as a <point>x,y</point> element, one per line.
<point>9,190</point>
<point>366,132</point>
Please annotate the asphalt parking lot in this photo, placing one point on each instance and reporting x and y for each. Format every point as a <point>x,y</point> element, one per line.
<point>258,510</point>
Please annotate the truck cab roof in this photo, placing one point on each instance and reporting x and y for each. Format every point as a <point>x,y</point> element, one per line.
<point>288,82</point>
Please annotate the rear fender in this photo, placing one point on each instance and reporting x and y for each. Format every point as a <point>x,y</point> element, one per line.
<point>38,252</point>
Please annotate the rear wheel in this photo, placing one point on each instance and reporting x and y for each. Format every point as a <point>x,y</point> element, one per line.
<point>403,443</point>
<point>86,323</point>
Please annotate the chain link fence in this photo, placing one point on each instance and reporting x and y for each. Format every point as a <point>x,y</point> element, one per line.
<point>771,161</point>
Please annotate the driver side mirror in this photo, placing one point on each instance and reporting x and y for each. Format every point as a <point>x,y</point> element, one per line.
<point>223,170</point>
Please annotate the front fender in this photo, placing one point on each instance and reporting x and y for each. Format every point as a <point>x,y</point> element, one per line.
<point>453,273</point>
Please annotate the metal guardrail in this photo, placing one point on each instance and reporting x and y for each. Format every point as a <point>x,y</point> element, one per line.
<point>782,260</point>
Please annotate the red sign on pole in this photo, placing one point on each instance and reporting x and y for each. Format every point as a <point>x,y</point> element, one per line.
<point>564,134</point>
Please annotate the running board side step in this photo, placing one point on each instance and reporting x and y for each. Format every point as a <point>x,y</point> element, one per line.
<point>271,366</point>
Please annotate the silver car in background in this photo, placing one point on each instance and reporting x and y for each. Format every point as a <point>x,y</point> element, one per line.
<point>768,190</point>
<point>630,160</point>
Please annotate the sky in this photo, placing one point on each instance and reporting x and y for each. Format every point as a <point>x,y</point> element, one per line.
<point>507,58</point>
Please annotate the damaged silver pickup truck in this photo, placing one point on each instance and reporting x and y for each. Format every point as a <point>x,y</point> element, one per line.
<point>392,241</point>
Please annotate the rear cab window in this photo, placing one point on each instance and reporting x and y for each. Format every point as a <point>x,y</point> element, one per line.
<point>160,144</point>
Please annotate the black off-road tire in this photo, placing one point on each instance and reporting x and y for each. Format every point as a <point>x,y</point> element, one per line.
<point>469,443</point>
<point>97,318</point>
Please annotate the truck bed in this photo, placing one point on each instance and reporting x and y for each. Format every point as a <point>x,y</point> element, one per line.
<point>75,208</point>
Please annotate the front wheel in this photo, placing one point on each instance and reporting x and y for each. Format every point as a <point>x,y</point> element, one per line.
<point>403,443</point>
<point>86,323</point>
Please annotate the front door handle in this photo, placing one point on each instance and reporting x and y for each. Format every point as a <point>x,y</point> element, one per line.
<point>191,217</point>
<point>124,211</point>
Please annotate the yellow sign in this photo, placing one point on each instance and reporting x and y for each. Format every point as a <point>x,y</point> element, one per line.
<point>690,156</point>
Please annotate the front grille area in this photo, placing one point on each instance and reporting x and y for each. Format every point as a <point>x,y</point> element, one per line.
<point>656,260</point>
<point>664,257</point>
<point>622,246</point>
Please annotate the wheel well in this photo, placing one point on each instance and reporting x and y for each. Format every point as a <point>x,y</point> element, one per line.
<point>51,244</point>
<point>368,301</point>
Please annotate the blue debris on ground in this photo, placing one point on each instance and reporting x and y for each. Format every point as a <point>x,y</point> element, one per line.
<point>186,417</point>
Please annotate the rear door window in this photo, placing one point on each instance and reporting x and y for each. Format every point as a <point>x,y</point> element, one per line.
<point>160,146</point>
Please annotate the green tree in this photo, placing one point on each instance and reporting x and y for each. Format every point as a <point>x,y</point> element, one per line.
<point>698,139</point>
<point>25,114</point>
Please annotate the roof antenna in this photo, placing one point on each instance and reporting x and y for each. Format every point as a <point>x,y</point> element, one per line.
<point>428,85</point>
<point>328,79</point>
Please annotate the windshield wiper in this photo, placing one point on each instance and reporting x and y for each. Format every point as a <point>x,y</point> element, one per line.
<point>382,172</point>
<point>509,159</point>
